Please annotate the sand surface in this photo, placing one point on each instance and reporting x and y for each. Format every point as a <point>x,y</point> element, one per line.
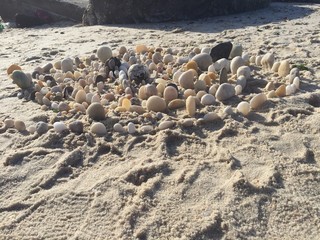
<point>254,177</point>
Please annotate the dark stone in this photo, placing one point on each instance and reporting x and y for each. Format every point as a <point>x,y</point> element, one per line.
<point>223,77</point>
<point>135,11</point>
<point>222,50</point>
<point>39,18</point>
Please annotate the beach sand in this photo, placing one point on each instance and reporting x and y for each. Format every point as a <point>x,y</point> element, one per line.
<point>254,177</point>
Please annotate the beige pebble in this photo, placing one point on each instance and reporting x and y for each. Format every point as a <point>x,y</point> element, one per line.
<point>19,125</point>
<point>9,123</point>
<point>189,92</point>
<point>281,91</point>
<point>98,129</point>
<point>170,93</point>
<point>270,86</point>
<point>81,96</point>
<point>267,61</point>
<point>275,67</point>
<point>156,104</point>
<point>186,79</point>
<point>188,122</point>
<point>176,104</point>
<point>146,129</point>
<point>284,68</point>
<point>191,106</point>
<point>137,109</point>
<point>258,100</point>
<point>243,108</point>
<point>166,124</point>
<point>272,94</point>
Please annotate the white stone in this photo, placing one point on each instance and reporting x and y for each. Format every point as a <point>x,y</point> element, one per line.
<point>243,108</point>
<point>59,127</point>
<point>131,128</point>
<point>296,82</point>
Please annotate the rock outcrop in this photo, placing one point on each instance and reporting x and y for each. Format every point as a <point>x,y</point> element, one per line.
<point>136,11</point>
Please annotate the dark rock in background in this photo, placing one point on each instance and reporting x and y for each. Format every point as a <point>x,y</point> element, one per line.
<point>56,8</point>
<point>135,11</point>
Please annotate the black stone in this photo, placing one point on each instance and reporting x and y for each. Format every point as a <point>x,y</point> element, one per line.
<point>222,50</point>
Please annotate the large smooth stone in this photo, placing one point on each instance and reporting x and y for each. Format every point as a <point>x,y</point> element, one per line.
<point>156,104</point>
<point>104,53</point>
<point>225,91</point>
<point>21,79</point>
<point>96,111</point>
<point>67,65</point>
<point>222,50</point>
<point>203,60</point>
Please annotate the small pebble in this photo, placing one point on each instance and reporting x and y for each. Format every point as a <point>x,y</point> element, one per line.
<point>243,108</point>
<point>131,128</point>
<point>166,124</point>
<point>9,123</point>
<point>258,100</point>
<point>98,129</point>
<point>19,125</point>
<point>118,128</point>
<point>76,127</point>
<point>42,127</point>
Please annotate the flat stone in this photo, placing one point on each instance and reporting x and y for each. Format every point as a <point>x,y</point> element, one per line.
<point>222,50</point>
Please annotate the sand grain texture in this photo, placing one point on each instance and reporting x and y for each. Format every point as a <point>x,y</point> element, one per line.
<point>254,177</point>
